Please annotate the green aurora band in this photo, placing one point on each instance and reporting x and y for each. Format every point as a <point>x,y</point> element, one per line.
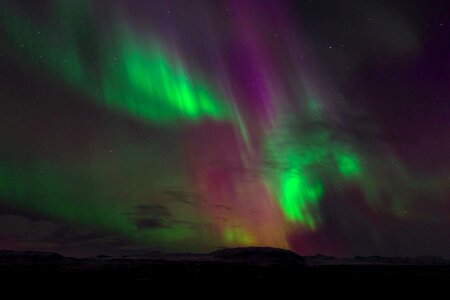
<point>128,77</point>
<point>140,77</point>
<point>301,167</point>
<point>139,80</point>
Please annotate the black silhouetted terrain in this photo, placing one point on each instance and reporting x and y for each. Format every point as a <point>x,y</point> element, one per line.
<point>231,265</point>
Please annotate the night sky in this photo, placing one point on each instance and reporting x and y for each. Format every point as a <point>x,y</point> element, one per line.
<point>129,126</point>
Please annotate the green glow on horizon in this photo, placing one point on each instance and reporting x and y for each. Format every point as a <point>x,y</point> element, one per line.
<point>237,236</point>
<point>166,235</point>
<point>51,191</point>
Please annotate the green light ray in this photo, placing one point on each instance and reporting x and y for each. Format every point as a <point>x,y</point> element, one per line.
<point>299,198</point>
<point>304,164</point>
<point>117,69</point>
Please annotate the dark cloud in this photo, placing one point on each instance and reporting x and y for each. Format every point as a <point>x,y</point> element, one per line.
<point>55,235</point>
<point>25,212</point>
<point>25,229</point>
<point>181,196</point>
<point>151,209</point>
<point>150,224</point>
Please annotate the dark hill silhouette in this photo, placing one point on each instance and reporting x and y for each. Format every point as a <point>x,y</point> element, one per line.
<point>230,265</point>
<point>259,255</point>
<point>9,256</point>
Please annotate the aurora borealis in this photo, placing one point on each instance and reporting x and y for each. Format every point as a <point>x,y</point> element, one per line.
<point>315,126</point>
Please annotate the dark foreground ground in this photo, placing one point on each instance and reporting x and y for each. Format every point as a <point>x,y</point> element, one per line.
<point>238,265</point>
